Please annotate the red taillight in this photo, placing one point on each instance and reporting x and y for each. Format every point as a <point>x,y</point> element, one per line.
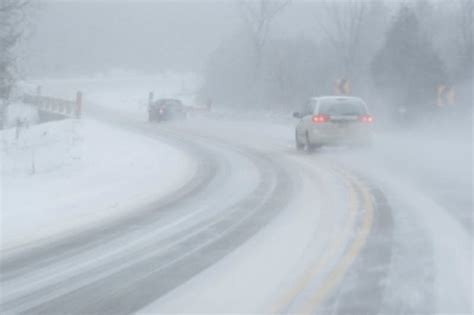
<point>320,119</point>
<point>366,118</point>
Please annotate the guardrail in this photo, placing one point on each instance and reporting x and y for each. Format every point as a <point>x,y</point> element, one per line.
<point>55,106</point>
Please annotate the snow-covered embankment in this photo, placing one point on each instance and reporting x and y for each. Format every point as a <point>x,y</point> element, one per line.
<point>63,176</point>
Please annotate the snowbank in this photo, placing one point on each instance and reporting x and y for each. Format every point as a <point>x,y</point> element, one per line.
<point>64,175</point>
<point>18,111</point>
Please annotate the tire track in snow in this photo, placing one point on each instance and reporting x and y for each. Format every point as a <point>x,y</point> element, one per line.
<point>362,289</point>
<point>131,288</point>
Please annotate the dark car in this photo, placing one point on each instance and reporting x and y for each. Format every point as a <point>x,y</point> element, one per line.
<point>166,109</point>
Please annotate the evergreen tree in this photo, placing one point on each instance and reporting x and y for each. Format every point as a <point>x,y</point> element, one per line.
<point>407,69</point>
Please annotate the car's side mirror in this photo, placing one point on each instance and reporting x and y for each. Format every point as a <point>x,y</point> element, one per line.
<point>296,115</point>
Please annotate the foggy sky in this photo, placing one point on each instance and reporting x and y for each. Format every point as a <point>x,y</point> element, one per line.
<point>83,37</point>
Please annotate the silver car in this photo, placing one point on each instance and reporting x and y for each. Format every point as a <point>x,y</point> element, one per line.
<point>333,120</point>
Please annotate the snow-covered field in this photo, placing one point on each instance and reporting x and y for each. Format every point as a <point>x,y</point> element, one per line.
<point>65,175</point>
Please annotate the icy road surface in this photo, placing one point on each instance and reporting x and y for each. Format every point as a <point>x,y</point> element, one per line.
<point>260,228</point>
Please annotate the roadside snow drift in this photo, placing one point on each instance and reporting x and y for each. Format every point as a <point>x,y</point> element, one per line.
<point>61,176</point>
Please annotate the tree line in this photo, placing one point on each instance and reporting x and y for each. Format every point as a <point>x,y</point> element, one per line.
<point>395,55</point>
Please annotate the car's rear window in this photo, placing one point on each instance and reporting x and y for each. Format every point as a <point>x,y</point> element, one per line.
<point>343,108</point>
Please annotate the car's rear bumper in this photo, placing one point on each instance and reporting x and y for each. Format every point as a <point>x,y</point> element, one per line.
<point>345,137</point>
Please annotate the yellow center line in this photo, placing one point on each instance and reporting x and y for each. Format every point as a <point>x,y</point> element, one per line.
<point>348,258</point>
<point>317,265</point>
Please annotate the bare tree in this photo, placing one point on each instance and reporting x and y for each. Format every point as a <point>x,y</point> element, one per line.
<point>466,21</point>
<point>342,24</point>
<point>12,14</point>
<point>465,40</point>
<point>258,16</point>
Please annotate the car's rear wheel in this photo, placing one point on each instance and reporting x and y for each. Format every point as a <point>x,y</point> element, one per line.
<point>310,147</point>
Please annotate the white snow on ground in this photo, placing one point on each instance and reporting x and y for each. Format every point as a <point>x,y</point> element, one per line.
<point>61,176</point>
<point>426,176</point>
<point>18,111</point>
<point>430,194</point>
<point>253,278</point>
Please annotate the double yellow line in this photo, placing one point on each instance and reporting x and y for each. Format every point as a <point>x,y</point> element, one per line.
<point>330,282</point>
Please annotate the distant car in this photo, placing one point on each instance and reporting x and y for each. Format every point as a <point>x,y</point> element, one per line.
<point>333,120</point>
<point>166,109</point>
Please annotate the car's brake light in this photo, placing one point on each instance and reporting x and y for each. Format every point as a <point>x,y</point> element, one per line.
<point>366,118</point>
<point>320,119</point>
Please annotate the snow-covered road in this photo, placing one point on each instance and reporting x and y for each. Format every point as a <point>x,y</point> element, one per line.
<point>261,228</point>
